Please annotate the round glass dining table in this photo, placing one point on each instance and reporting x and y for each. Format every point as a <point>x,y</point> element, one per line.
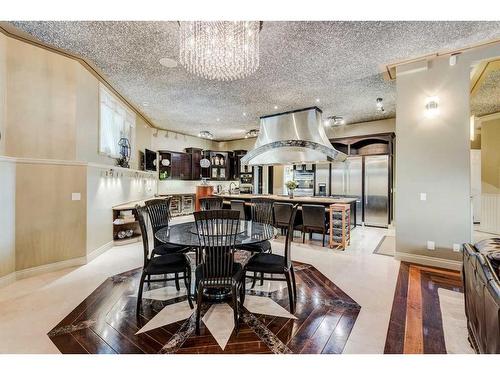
<point>185,234</point>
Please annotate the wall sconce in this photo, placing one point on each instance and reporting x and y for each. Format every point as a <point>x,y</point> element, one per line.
<point>432,106</point>
<point>472,128</point>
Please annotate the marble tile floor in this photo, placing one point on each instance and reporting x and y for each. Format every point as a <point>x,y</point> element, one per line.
<point>366,277</point>
<point>106,321</point>
<point>219,317</point>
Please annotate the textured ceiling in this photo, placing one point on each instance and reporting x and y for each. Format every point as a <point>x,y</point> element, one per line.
<point>486,99</point>
<point>337,62</point>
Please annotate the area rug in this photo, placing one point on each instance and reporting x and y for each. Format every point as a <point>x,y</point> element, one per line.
<point>386,246</point>
<point>454,322</point>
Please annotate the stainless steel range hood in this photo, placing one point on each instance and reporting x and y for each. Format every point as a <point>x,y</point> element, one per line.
<point>291,138</point>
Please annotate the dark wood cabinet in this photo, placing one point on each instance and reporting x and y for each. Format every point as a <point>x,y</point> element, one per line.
<point>225,165</point>
<point>219,165</point>
<point>196,156</point>
<point>237,169</point>
<point>179,167</point>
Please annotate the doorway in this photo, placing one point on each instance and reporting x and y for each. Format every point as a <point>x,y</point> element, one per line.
<point>485,149</point>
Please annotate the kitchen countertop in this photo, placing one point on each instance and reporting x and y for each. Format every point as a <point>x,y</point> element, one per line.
<point>285,198</point>
<point>131,205</point>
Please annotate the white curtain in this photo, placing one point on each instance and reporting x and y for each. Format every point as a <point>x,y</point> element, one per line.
<point>116,121</point>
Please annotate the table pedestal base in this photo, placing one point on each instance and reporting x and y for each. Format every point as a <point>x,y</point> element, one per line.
<point>217,294</point>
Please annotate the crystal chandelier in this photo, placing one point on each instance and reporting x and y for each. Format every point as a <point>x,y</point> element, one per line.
<point>220,50</point>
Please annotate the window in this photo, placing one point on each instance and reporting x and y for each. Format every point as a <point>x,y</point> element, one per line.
<point>116,121</point>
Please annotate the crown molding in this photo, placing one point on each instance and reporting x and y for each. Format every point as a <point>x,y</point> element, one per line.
<point>12,32</point>
<point>389,70</point>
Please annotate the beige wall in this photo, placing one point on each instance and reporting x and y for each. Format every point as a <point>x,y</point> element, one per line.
<point>105,192</point>
<point>50,226</point>
<point>433,158</point>
<point>238,144</point>
<point>3,90</point>
<point>7,217</point>
<point>490,157</point>
<point>41,103</point>
<point>49,121</point>
<point>87,118</point>
<point>178,142</point>
<point>278,179</point>
<point>362,128</point>
<point>142,141</point>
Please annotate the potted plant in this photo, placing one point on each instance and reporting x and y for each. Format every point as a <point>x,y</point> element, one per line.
<point>291,186</point>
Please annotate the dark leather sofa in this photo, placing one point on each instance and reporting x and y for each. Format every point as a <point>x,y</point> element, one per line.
<point>481,275</point>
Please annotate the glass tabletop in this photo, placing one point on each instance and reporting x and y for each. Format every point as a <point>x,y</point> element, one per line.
<point>185,234</point>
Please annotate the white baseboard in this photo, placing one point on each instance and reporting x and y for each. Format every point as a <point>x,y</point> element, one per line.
<point>100,250</point>
<point>429,261</point>
<point>51,267</point>
<point>7,279</point>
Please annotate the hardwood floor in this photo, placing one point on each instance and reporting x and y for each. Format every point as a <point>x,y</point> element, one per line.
<point>106,322</point>
<point>416,325</point>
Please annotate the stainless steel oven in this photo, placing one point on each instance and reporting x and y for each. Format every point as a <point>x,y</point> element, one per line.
<point>305,181</point>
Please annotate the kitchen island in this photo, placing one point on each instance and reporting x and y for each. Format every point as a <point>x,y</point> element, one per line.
<point>326,201</point>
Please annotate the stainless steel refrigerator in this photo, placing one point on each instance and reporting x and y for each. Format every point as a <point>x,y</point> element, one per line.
<point>347,182</point>
<point>350,178</point>
<point>322,179</point>
<point>376,194</point>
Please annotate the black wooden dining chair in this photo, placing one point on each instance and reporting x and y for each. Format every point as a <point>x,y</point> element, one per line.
<point>239,205</point>
<point>158,210</point>
<point>313,221</point>
<point>159,216</point>
<point>273,264</point>
<point>261,212</point>
<point>282,213</point>
<point>174,263</point>
<point>211,203</point>
<point>217,232</point>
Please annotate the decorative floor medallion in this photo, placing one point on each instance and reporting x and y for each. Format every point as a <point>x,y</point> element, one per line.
<point>106,322</point>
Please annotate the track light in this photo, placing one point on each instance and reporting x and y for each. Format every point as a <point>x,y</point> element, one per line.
<point>380,105</point>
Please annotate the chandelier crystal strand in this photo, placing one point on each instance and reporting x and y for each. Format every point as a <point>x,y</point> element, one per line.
<point>219,50</point>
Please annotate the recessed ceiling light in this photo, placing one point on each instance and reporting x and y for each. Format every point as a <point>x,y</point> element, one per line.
<point>145,104</point>
<point>334,121</point>
<point>168,62</point>
<point>218,119</point>
<point>338,120</point>
<point>317,100</point>
<point>244,113</point>
<point>275,107</point>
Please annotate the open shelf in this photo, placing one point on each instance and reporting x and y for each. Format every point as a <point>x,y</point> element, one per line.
<point>128,240</point>
<point>132,225</point>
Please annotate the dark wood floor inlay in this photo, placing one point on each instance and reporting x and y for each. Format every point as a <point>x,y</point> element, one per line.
<point>106,322</point>
<point>416,326</point>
